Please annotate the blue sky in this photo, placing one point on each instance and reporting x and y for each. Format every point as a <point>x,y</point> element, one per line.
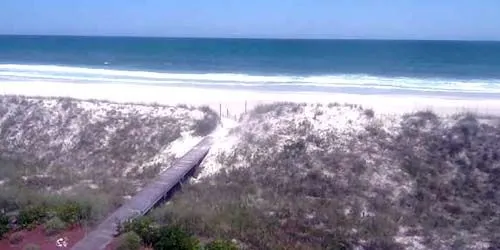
<point>380,19</point>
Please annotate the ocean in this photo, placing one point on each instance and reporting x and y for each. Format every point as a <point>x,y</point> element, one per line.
<point>359,66</point>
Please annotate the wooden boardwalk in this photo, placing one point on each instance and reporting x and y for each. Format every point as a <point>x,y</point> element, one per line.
<point>146,199</point>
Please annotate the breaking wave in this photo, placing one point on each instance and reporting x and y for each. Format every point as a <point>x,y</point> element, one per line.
<point>52,73</point>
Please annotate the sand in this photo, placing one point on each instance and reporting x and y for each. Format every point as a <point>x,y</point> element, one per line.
<point>236,102</point>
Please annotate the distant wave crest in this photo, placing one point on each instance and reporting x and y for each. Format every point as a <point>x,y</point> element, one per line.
<point>53,73</point>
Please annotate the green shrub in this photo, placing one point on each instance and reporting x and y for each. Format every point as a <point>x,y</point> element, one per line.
<point>144,227</point>
<point>278,108</point>
<point>54,226</point>
<point>172,237</point>
<point>4,224</point>
<point>206,125</point>
<point>16,238</point>
<point>165,237</point>
<point>31,216</point>
<point>221,245</point>
<point>73,212</point>
<point>31,246</point>
<point>129,241</point>
<point>369,113</point>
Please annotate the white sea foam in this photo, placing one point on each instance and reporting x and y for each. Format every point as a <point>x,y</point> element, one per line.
<point>284,82</point>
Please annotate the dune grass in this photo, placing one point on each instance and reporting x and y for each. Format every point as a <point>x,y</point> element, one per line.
<point>95,154</point>
<point>430,181</point>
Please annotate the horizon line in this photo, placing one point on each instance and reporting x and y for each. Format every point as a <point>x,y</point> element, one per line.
<point>250,37</point>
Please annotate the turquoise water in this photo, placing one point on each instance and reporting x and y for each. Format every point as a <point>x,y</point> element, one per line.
<point>314,65</point>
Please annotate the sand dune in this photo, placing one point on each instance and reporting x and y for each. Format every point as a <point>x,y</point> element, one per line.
<point>317,159</point>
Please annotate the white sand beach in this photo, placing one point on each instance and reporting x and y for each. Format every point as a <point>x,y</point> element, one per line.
<point>234,101</point>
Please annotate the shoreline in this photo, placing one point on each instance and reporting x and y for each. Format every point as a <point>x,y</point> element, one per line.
<point>235,101</point>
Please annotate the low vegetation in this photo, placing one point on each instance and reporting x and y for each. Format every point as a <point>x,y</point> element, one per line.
<point>55,215</point>
<point>299,176</point>
<point>205,126</point>
<point>417,181</point>
<point>4,224</point>
<point>220,245</point>
<point>369,113</point>
<point>54,226</point>
<point>129,241</point>
<point>31,215</point>
<point>70,145</point>
<point>65,162</point>
<point>157,236</point>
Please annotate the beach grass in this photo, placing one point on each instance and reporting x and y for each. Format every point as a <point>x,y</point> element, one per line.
<point>421,180</point>
<point>96,152</point>
<point>285,175</point>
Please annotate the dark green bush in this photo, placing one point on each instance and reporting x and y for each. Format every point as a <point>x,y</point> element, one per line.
<point>31,216</point>
<point>172,237</point>
<point>54,226</point>
<point>73,212</point>
<point>165,237</point>
<point>278,108</point>
<point>369,113</point>
<point>206,125</point>
<point>129,241</point>
<point>4,224</point>
<point>144,227</point>
<point>221,245</point>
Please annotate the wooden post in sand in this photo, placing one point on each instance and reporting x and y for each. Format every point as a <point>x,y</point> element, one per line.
<point>245,106</point>
<point>227,112</point>
<point>220,110</point>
